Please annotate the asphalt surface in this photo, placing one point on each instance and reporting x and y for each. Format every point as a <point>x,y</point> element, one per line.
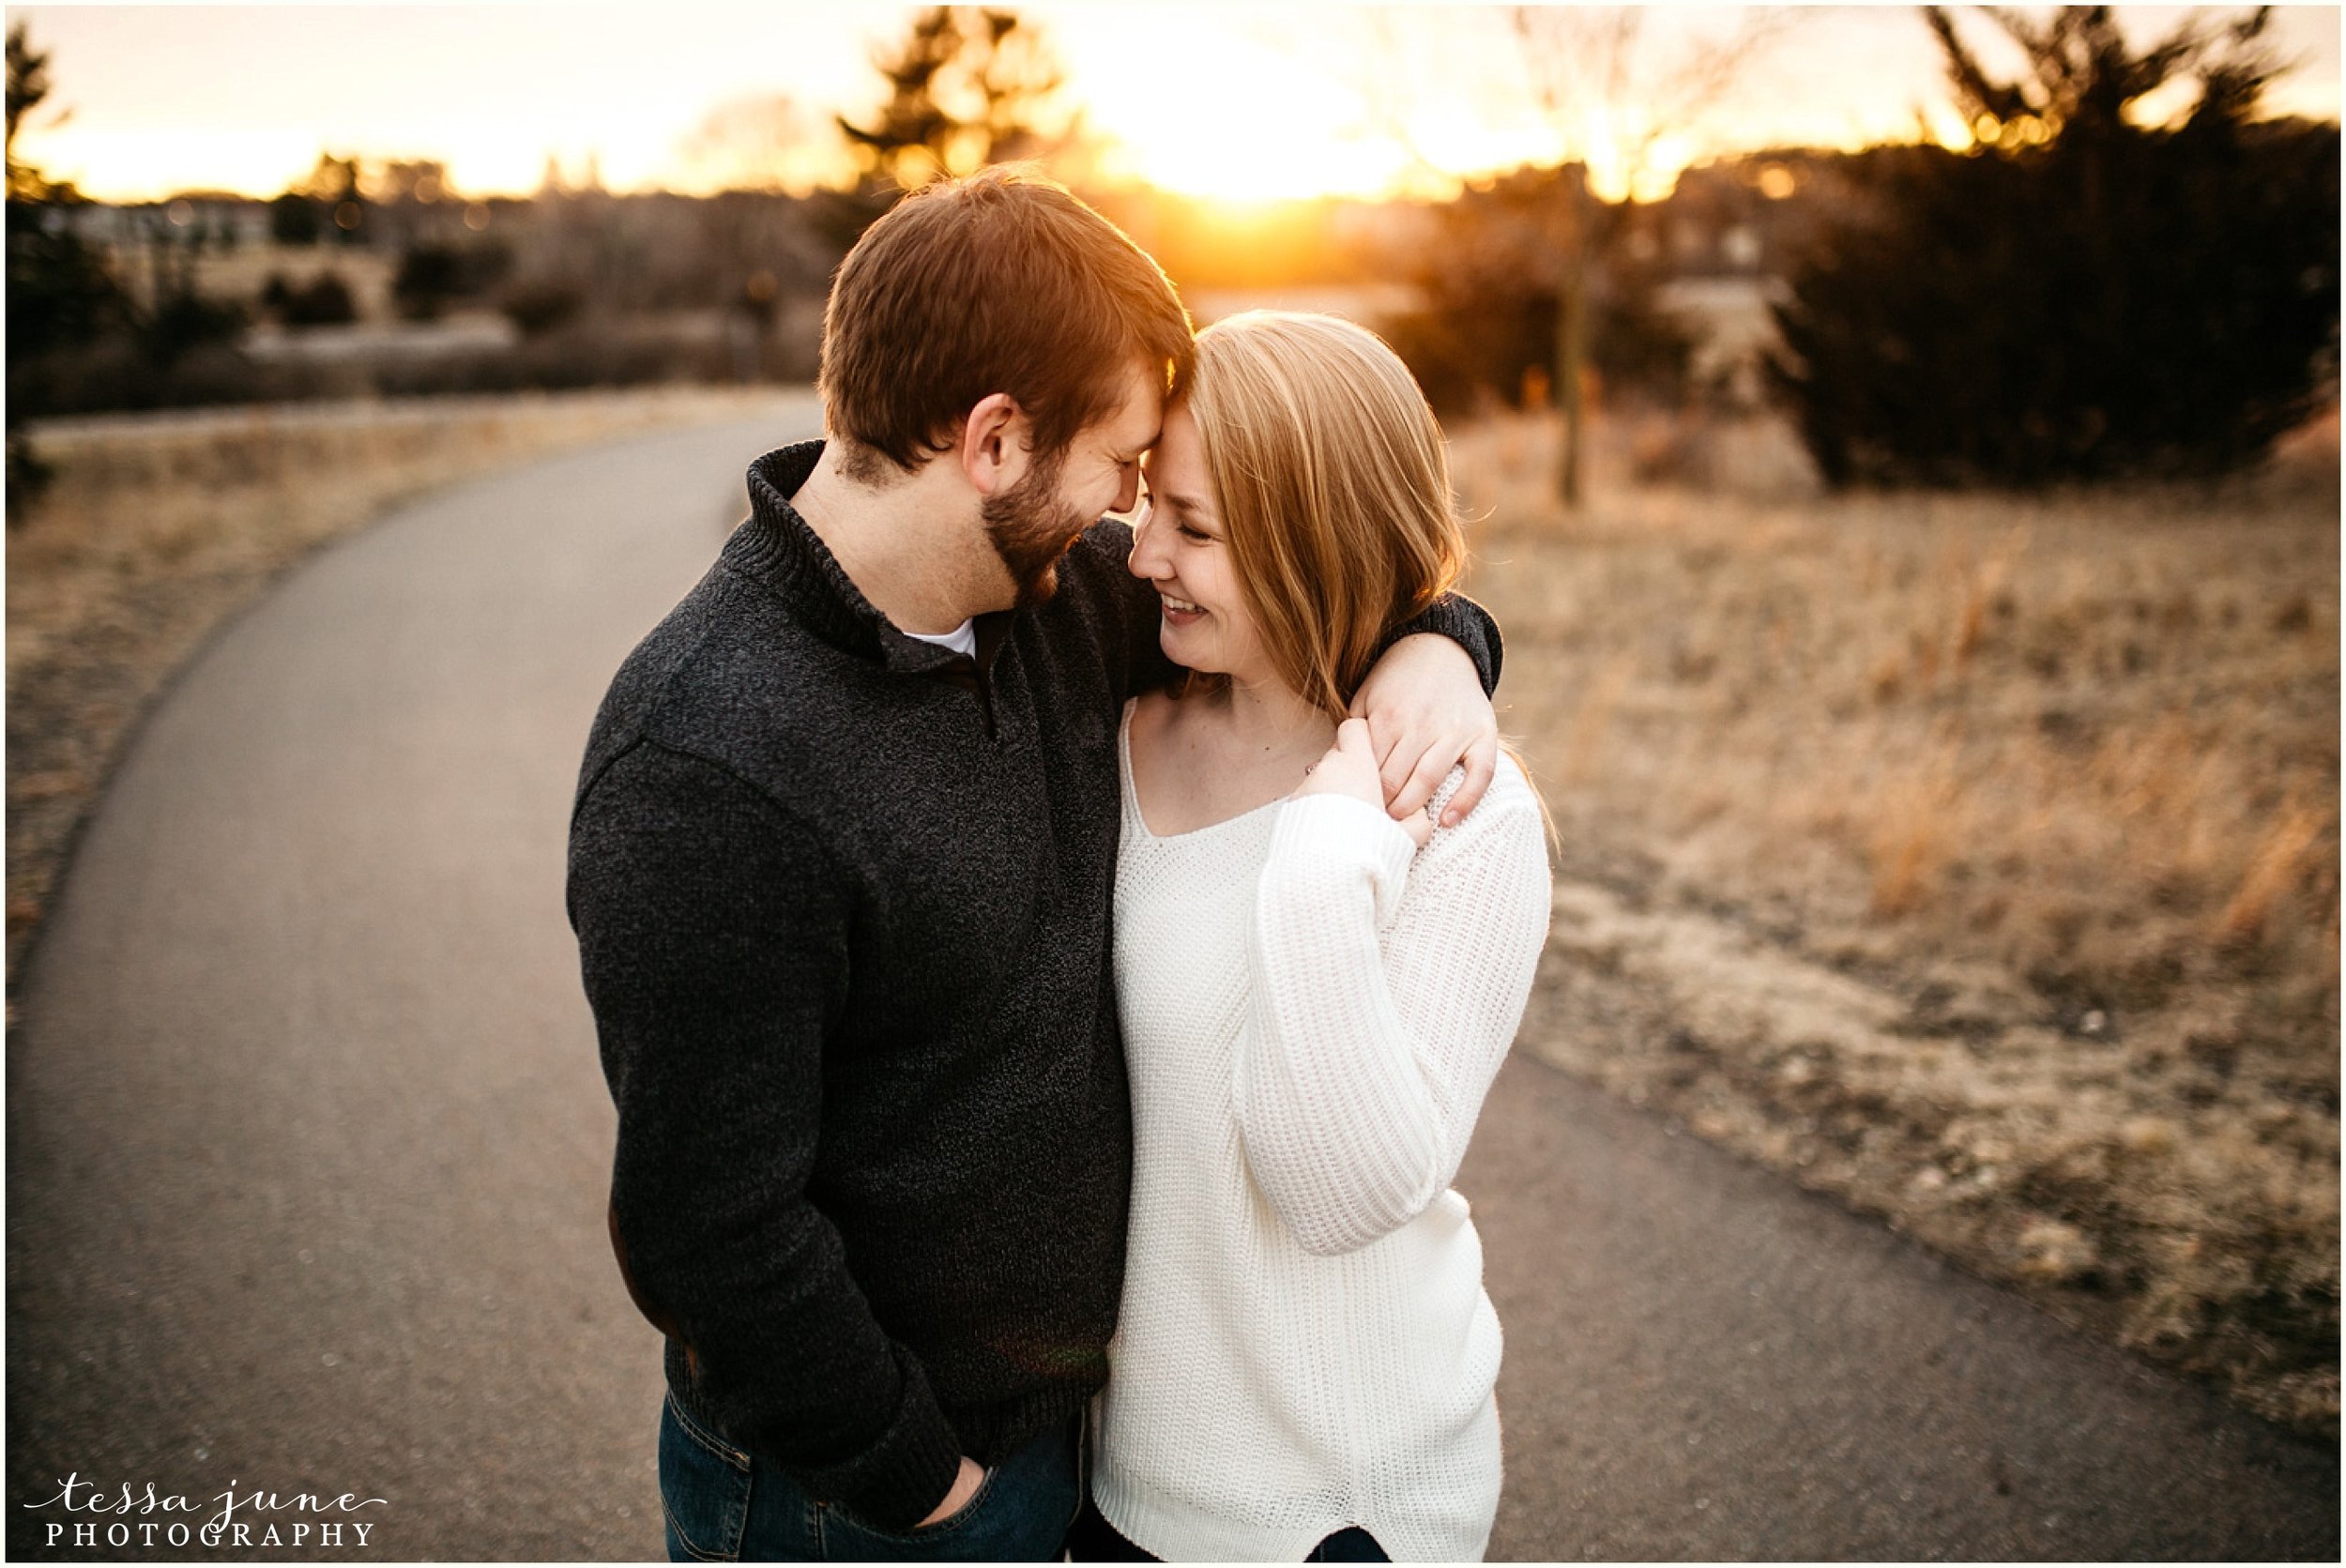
<point>307,1149</point>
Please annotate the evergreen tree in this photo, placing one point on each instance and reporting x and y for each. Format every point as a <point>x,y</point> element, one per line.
<point>61,296</point>
<point>2076,296</point>
<point>969,86</point>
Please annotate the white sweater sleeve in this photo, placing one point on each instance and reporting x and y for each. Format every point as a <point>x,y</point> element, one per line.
<point>1369,1051</point>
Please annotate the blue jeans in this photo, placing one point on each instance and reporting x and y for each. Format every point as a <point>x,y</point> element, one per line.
<point>724,1504</point>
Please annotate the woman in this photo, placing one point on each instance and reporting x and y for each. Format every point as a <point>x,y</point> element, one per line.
<point>1314,997</point>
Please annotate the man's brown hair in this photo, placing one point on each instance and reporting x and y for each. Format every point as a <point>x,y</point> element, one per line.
<point>1003,281</point>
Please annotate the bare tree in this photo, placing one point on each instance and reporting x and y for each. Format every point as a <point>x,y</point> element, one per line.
<point>1612,96</point>
<point>1613,92</point>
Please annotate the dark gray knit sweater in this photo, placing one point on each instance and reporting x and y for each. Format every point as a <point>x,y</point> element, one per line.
<point>841,899</point>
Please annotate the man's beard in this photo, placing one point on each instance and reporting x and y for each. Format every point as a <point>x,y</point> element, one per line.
<point>1030,528</point>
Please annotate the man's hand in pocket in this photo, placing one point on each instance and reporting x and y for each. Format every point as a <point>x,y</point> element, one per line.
<point>964,1486</point>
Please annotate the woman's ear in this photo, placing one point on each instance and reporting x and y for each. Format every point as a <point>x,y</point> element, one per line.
<point>997,442</point>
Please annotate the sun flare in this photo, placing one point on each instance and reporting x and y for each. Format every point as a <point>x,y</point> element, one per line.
<point>1249,122</point>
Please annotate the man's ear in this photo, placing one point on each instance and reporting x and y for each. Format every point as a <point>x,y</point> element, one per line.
<point>996,441</point>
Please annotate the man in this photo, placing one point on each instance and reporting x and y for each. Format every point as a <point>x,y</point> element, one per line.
<point>840,871</point>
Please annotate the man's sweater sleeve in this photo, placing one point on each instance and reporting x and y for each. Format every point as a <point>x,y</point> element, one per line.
<point>712,935</point>
<point>1464,622</point>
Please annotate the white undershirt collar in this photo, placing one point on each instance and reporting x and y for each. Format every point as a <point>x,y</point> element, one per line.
<point>961,639</point>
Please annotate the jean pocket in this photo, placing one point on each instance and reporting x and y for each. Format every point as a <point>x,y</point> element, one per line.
<point>944,1529</point>
<point>704,1488</point>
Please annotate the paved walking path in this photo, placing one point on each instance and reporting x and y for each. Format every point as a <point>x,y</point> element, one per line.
<point>307,1154</point>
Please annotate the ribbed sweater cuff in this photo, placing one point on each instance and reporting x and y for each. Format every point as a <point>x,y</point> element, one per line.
<point>1318,836</point>
<point>898,1481</point>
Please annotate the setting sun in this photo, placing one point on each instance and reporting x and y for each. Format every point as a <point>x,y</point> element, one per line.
<point>1241,121</point>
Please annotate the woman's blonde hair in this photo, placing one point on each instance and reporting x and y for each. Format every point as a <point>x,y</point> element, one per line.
<point>1333,485</point>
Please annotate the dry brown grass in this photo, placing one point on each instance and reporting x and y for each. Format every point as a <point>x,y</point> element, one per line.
<point>157,530</point>
<point>2019,820</point>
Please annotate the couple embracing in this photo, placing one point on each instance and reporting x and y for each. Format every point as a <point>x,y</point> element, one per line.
<point>1044,1022</point>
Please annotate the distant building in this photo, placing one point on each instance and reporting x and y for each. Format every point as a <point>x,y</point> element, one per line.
<point>220,219</point>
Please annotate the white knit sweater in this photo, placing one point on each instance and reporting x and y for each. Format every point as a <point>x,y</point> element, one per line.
<point>1313,1008</point>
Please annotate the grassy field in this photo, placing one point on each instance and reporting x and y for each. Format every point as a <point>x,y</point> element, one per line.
<point>1974,857</point>
<point>157,529</point>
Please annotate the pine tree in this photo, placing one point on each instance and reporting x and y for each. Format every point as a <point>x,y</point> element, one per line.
<point>968,87</point>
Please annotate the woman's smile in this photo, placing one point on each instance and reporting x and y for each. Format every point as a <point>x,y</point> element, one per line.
<point>1181,612</point>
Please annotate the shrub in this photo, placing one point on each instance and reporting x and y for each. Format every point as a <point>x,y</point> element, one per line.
<point>60,299</point>
<point>433,276</point>
<point>429,277</point>
<point>294,220</point>
<point>539,307</point>
<point>325,301</point>
<point>183,321</point>
<point>2078,297</point>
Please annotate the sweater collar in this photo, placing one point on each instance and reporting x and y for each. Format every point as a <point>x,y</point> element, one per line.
<point>776,547</point>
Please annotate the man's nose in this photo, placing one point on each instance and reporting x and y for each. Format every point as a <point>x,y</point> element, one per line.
<point>1128,493</point>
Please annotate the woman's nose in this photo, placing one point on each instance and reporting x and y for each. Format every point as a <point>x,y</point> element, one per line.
<point>1148,558</point>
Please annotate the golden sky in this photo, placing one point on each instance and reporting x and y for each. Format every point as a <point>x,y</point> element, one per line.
<point>1239,100</point>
